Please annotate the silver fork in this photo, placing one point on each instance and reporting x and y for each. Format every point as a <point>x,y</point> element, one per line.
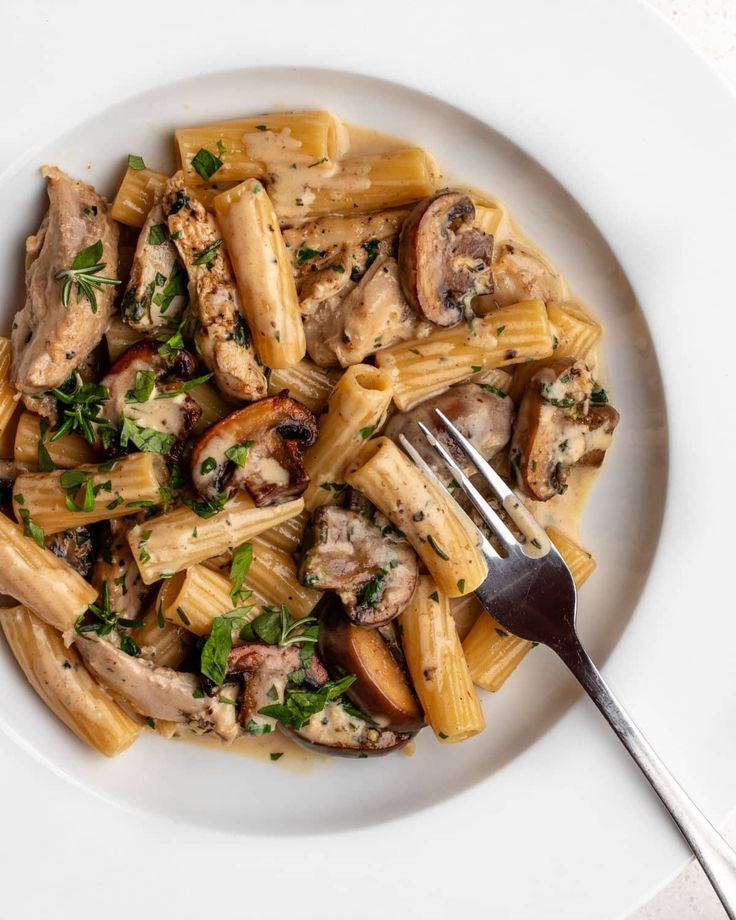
<point>530,592</point>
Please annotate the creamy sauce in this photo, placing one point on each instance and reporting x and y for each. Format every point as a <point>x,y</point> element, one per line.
<point>294,758</point>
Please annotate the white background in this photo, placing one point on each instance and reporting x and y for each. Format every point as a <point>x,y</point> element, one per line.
<point>40,25</point>
<point>711,26</point>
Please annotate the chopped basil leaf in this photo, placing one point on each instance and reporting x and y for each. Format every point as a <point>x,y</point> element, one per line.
<point>207,465</point>
<point>208,507</point>
<point>300,705</point>
<point>304,254</point>
<point>436,547</point>
<point>135,162</point>
<point>145,439</point>
<point>157,234</point>
<point>238,453</point>
<point>239,567</point>
<point>495,390</point>
<point>207,255</point>
<point>30,529</point>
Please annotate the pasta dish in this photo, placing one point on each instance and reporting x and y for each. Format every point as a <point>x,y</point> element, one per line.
<point>219,514</point>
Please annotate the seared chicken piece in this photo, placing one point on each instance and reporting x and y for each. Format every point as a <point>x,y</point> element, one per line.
<point>483,414</point>
<point>372,316</point>
<point>520,273</point>
<point>117,568</point>
<point>49,339</point>
<point>221,334</point>
<point>158,692</point>
<point>156,293</point>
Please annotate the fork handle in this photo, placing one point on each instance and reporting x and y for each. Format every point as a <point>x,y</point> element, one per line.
<point>711,850</point>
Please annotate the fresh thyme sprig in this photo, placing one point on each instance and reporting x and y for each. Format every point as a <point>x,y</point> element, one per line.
<point>85,274</point>
<point>105,620</point>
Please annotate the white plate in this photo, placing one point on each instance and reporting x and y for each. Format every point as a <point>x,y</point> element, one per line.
<point>542,815</point>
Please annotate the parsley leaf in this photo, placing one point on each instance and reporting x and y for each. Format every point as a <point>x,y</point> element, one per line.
<point>300,705</point>
<point>208,507</point>
<point>207,255</point>
<point>30,529</point>
<point>206,163</point>
<point>142,388</point>
<point>157,234</point>
<point>238,453</point>
<point>146,439</point>
<point>305,254</point>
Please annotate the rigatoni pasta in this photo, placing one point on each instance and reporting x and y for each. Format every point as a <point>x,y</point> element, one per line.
<point>89,493</point>
<point>266,284</point>
<point>356,409</point>
<point>446,541</point>
<point>60,679</point>
<point>67,452</point>
<point>434,657</point>
<point>34,576</point>
<point>173,541</point>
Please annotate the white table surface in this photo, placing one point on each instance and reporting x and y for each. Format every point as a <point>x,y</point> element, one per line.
<point>709,24</point>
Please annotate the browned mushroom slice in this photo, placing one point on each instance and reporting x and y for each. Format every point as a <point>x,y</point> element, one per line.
<point>257,448</point>
<point>381,690</point>
<point>563,420</point>
<point>145,388</point>
<point>75,547</point>
<point>337,730</point>
<point>266,671</point>
<point>482,413</point>
<point>520,273</point>
<point>374,574</point>
<point>444,260</point>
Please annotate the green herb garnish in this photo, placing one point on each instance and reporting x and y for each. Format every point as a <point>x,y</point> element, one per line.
<point>206,163</point>
<point>85,274</point>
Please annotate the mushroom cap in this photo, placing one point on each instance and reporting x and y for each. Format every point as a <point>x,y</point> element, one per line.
<point>176,415</point>
<point>444,260</point>
<point>336,731</point>
<point>373,574</point>
<point>558,427</point>
<point>270,433</point>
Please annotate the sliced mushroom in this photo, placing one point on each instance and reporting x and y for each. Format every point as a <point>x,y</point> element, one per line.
<point>563,420</point>
<point>266,670</point>
<point>166,408</point>
<point>75,547</point>
<point>257,448</point>
<point>521,273</point>
<point>444,260</point>
<point>382,690</point>
<point>482,413</point>
<point>374,573</point>
<point>159,692</point>
<point>336,730</point>
<point>116,568</point>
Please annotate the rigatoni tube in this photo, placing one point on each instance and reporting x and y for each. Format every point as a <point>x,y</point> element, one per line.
<point>175,540</point>
<point>444,539</point>
<point>437,666</point>
<point>37,578</point>
<point>68,452</point>
<point>59,500</point>
<point>58,676</point>
<point>263,272</point>
<point>356,409</point>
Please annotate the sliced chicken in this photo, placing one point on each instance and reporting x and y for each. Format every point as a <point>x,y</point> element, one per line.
<point>156,294</point>
<point>372,316</point>
<point>522,273</point>
<point>160,693</point>
<point>221,334</point>
<point>483,414</point>
<point>49,339</point>
<point>117,568</point>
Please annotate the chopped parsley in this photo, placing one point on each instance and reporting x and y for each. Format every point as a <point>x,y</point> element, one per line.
<point>208,507</point>
<point>207,255</point>
<point>206,163</point>
<point>157,234</point>
<point>145,439</point>
<point>436,547</point>
<point>135,162</point>
<point>305,254</point>
<point>238,453</point>
<point>30,529</point>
